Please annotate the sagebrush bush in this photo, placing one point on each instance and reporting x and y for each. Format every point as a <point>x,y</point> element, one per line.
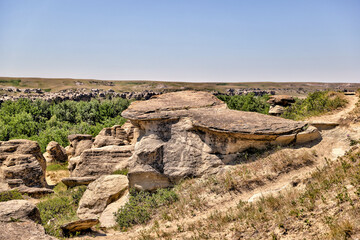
<point>142,205</point>
<point>10,195</point>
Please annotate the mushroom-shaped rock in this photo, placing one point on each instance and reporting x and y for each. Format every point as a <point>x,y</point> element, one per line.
<point>188,134</point>
<point>100,193</point>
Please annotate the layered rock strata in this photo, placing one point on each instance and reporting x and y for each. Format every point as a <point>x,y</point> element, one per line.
<point>21,163</point>
<point>187,134</point>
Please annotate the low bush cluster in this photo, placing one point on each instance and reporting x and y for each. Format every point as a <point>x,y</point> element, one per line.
<point>142,205</point>
<point>316,103</point>
<point>10,195</point>
<point>249,103</point>
<point>60,208</point>
<point>44,122</point>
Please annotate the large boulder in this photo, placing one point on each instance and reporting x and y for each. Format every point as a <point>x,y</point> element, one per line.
<point>78,143</point>
<point>101,193</point>
<point>107,218</point>
<point>23,231</point>
<point>15,210</point>
<point>22,160</point>
<point>188,134</point>
<point>100,161</point>
<point>55,153</point>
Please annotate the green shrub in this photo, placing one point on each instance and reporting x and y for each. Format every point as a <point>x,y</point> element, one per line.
<point>44,122</point>
<point>121,171</point>
<point>60,208</point>
<point>316,103</point>
<point>249,102</point>
<point>10,195</point>
<point>57,166</point>
<point>142,205</point>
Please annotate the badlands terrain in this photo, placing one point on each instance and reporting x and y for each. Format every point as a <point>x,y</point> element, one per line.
<point>186,165</point>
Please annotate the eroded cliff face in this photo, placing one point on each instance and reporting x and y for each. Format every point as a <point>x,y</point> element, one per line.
<point>188,134</point>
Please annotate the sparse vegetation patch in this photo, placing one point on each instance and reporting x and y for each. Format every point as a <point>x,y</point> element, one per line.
<point>10,195</point>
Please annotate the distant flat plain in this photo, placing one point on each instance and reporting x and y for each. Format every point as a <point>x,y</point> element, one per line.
<point>57,84</point>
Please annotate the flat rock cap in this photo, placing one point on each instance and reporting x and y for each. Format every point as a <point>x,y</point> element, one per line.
<point>206,111</point>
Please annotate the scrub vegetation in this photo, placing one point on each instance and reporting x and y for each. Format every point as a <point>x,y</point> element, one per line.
<point>44,122</point>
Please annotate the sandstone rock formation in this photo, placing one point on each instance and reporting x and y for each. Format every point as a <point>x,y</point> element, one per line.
<point>110,151</point>
<point>23,231</point>
<point>100,161</point>
<point>107,218</point>
<point>116,135</point>
<point>100,193</point>
<point>15,210</point>
<point>55,153</point>
<point>21,162</point>
<point>78,143</point>
<point>188,134</point>
<point>78,181</point>
<point>77,226</point>
<point>278,104</point>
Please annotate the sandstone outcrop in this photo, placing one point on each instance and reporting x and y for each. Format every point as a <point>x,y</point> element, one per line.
<point>15,210</point>
<point>78,226</point>
<point>78,181</point>
<point>55,153</point>
<point>21,162</point>
<point>23,231</point>
<point>101,193</point>
<point>100,161</point>
<point>278,104</point>
<point>188,134</point>
<point>116,135</point>
<point>107,218</point>
<point>78,143</point>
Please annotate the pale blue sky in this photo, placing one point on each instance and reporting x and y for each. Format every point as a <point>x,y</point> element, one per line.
<point>182,40</point>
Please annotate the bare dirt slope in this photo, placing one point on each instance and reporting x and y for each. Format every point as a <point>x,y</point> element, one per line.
<point>271,173</point>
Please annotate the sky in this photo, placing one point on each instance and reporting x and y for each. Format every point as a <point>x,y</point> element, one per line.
<point>182,40</point>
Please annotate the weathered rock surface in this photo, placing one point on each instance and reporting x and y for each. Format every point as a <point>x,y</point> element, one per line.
<point>22,160</point>
<point>78,181</point>
<point>79,225</point>
<point>101,193</point>
<point>116,135</point>
<point>19,210</point>
<point>100,161</point>
<point>188,134</point>
<point>324,125</point>
<point>281,100</point>
<point>310,134</point>
<point>107,218</point>
<point>276,110</point>
<point>23,231</point>
<point>55,153</point>
<point>78,143</point>
<point>34,192</point>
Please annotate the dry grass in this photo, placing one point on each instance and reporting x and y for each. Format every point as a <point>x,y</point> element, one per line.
<point>324,206</point>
